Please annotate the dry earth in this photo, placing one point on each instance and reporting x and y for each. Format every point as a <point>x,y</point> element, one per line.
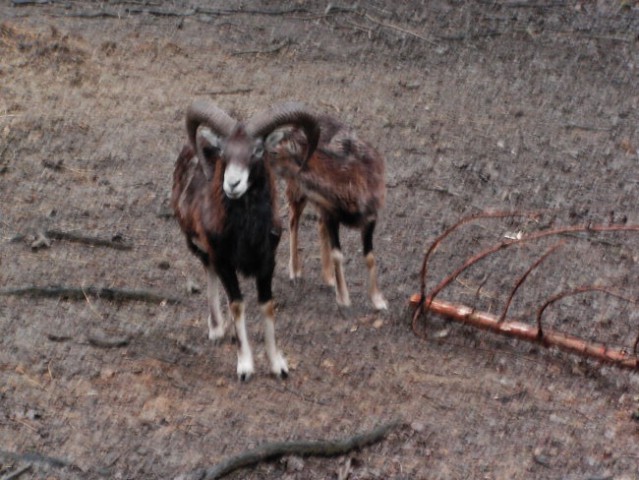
<point>505,104</point>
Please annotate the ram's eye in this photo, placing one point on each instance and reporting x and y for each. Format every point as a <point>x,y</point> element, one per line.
<point>210,151</point>
<point>258,152</point>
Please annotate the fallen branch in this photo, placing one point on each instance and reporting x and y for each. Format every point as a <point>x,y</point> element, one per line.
<point>422,302</point>
<point>522,331</point>
<point>270,451</point>
<point>115,242</point>
<point>79,293</point>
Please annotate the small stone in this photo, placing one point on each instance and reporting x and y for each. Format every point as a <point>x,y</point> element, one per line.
<point>328,364</point>
<point>32,414</point>
<point>379,323</point>
<point>418,427</point>
<point>192,287</point>
<point>293,464</point>
<point>40,242</point>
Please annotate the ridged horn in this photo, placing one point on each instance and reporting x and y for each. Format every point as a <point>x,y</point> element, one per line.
<point>289,113</point>
<point>204,112</point>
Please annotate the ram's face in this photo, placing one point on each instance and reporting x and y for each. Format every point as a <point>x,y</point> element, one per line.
<point>241,154</point>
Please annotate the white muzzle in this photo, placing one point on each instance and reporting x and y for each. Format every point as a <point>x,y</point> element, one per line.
<point>236,181</point>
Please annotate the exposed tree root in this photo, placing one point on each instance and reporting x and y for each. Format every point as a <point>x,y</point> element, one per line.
<point>270,451</point>
<point>80,293</point>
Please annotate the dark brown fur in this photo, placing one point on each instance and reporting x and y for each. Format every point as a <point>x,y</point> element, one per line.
<point>345,176</point>
<point>344,179</point>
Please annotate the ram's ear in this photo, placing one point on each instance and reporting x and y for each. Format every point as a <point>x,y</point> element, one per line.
<point>209,148</point>
<point>274,139</point>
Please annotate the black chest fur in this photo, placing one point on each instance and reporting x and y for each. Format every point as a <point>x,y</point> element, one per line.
<point>250,235</point>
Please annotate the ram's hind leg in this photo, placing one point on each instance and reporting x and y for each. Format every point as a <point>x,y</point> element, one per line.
<point>332,233</point>
<point>296,204</point>
<point>328,269</point>
<point>379,302</point>
<point>279,366</point>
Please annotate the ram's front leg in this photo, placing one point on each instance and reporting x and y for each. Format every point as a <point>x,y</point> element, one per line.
<point>216,321</point>
<point>245,367</point>
<point>279,366</point>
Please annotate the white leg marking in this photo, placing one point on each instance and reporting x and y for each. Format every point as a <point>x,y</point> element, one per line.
<point>216,320</point>
<point>341,291</point>
<point>379,302</point>
<point>279,367</point>
<point>244,356</point>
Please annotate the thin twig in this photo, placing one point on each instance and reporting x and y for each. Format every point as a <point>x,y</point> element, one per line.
<point>523,278</point>
<point>159,12</point>
<point>391,26</point>
<point>300,395</point>
<point>253,11</point>
<point>234,91</point>
<point>270,451</point>
<point>92,307</point>
<point>273,49</point>
<point>592,128</point>
<point>530,238</point>
<point>24,3</point>
<point>17,473</point>
<point>78,293</point>
<point>576,291</point>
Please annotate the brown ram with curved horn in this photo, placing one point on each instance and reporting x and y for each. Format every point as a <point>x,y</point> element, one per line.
<point>344,178</point>
<point>225,201</point>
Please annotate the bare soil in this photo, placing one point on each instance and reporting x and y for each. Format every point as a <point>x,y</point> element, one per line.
<point>477,105</point>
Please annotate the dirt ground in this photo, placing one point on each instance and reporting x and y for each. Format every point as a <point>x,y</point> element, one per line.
<point>477,105</point>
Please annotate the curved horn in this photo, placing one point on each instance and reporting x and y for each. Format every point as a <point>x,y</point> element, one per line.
<point>285,114</point>
<point>205,112</point>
